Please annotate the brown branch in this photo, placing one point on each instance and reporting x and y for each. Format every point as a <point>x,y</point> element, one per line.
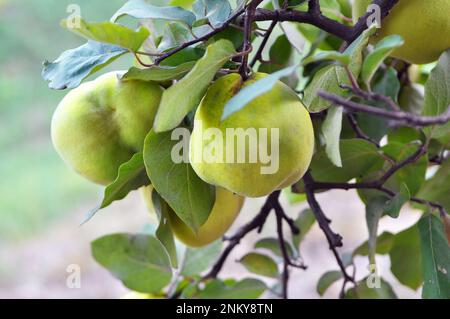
<point>200,39</point>
<point>358,131</point>
<point>334,239</point>
<point>401,116</point>
<point>247,45</point>
<point>258,54</point>
<point>314,17</point>
<point>256,223</point>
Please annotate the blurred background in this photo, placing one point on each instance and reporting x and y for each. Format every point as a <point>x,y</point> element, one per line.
<point>42,202</point>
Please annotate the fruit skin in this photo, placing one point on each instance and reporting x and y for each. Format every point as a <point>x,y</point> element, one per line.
<point>224,212</point>
<point>424,25</point>
<point>278,108</point>
<point>102,123</point>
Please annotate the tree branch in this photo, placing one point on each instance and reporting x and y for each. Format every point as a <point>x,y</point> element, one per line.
<point>256,223</point>
<point>401,116</point>
<point>258,54</point>
<point>314,17</point>
<point>334,240</point>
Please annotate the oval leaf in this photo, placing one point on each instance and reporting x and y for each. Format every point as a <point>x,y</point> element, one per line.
<point>73,66</point>
<point>142,10</point>
<point>190,197</point>
<point>139,261</point>
<point>111,33</point>
<point>260,264</point>
<point>186,94</point>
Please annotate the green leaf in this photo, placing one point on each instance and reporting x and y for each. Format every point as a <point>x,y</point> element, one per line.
<point>413,175</point>
<point>249,93</point>
<point>437,97</point>
<point>158,73</point>
<point>139,261</point>
<point>197,260</point>
<point>304,222</point>
<point>260,264</point>
<point>411,98</point>
<point>281,55</point>
<point>164,232</point>
<point>248,288</point>
<point>363,291</point>
<point>140,9</point>
<point>437,188</point>
<point>73,66</point>
<point>330,78</point>
<point>185,95</point>
<point>435,258</point>
<point>383,246</point>
<point>190,197</point>
<point>111,33</point>
<point>273,245</point>
<point>392,206</point>
<point>374,211</point>
<point>406,257</point>
<point>342,58</point>
<point>359,157</point>
<point>293,198</point>
<point>174,35</point>
<point>375,58</point>
<point>326,280</point>
<point>131,176</point>
<point>331,129</point>
<point>215,11</point>
<point>385,83</point>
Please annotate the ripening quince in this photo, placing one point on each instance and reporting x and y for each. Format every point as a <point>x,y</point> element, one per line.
<point>225,210</point>
<point>102,123</point>
<point>423,24</point>
<point>265,146</point>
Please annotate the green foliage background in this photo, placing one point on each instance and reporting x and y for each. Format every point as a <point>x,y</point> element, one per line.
<point>34,182</point>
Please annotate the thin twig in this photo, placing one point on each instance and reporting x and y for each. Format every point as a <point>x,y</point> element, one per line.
<point>258,54</point>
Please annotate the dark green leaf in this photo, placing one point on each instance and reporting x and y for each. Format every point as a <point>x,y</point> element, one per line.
<point>190,197</point>
<point>374,211</point>
<point>110,33</point>
<point>73,66</point>
<point>131,176</point>
<point>437,188</point>
<point>139,261</point>
<point>437,97</point>
<point>260,264</point>
<point>159,73</point>
<point>406,257</point>
<point>392,206</point>
<point>245,289</point>
<point>197,260</point>
<point>435,258</point>
<point>164,232</point>
<point>273,245</point>
<point>326,280</point>
<point>363,291</point>
<point>359,157</point>
<point>192,87</point>
<point>375,58</point>
<point>304,222</point>
<point>383,246</point>
<point>330,78</point>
